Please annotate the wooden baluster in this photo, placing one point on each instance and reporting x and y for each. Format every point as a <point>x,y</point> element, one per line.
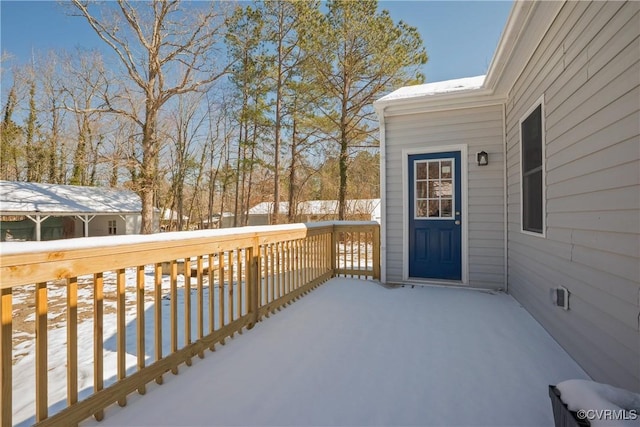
<point>253,281</point>
<point>313,257</point>
<point>303,249</point>
<point>231,286</point>
<point>221,291</point>
<point>292,265</point>
<point>263,272</point>
<point>273,273</point>
<point>239,286</point>
<point>315,250</point>
<point>283,268</point>
<point>309,257</point>
<point>359,247</point>
<point>199,297</point>
<point>121,343</point>
<point>298,266</point>
<point>322,245</point>
<point>276,272</point>
<point>212,325</point>
<point>290,245</point>
<point>98,337</point>
<point>351,267</point>
<point>6,356</point>
<point>200,301</point>
<point>140,323</point>
<point>72,340</point>
<point>240,283</point>
<point>187,304</point>
<point>304,255</point>
<point>300,261</point>
<point>333,253</point>
<point>158,315</point>
<point>287,267</point>
<point>248,264</point>
<point>257,276</point>
<point>366,253</point>
<point>41,353</point>
<point>330,253</point>
<point>211,274</point>
<point>376,252</point>
<point>173,309</point>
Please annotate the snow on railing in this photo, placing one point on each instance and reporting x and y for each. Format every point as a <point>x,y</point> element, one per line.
<point>85,322</point>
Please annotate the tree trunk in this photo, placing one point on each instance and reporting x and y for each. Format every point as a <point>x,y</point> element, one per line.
<point>292,175</point>
<point>344,157</point>
<point>149,168</point>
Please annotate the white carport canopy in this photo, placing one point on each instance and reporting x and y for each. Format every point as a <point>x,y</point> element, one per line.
<point>39,201</point>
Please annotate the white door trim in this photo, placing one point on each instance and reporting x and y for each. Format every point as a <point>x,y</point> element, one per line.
<point>464,160</point>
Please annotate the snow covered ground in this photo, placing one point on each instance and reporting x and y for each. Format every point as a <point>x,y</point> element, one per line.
<point>356,353</point>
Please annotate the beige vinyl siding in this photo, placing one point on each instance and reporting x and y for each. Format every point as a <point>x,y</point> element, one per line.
<point>587,66</point>
<point>481,128</point>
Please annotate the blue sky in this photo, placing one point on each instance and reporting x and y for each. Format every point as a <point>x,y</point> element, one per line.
<point>460,36</point>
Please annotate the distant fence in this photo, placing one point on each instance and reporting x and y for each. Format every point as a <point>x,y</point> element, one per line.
<point>230,279</point>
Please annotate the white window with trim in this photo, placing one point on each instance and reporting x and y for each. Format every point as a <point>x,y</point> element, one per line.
<point>532,170</point>
<point>111,224</point>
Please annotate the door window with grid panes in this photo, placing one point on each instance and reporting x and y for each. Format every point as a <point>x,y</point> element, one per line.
<point>434,189</point>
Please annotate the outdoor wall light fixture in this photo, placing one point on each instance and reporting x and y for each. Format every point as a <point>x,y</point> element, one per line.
<point>482,158</point>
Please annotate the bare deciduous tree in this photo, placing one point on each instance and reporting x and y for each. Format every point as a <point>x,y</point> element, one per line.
<point>166,51</point>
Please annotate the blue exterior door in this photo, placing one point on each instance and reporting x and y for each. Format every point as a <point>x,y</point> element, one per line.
<point>435,216</point>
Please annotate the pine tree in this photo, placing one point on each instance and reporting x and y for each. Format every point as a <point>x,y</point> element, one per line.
<point>358,54</point>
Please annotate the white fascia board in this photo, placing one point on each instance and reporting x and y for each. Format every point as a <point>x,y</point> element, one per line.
<point>473,98</point>
<point>516,23</point>
<point>526,27</point>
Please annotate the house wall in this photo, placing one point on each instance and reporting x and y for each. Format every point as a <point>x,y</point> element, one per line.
<point>587,69</point>
<point>481,128</point>
<point>134,224</point>
<point>99,226</point>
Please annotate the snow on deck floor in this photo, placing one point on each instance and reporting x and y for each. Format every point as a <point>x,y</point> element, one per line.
<point>355,353</point>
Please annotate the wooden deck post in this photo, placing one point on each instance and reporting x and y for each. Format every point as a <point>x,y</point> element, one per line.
<point>41,352</point>
<point>98,337</point>
<point>72,341</point>
<point>253,279</point>
<point>376,252</point>
<point>140,324</point>
<point>6,354</point>
<point>334,252</point>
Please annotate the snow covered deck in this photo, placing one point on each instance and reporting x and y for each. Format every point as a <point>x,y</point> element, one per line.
<point>356,353</point>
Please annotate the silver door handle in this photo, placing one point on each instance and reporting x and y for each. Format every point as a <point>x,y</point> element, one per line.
<point>457,222</point>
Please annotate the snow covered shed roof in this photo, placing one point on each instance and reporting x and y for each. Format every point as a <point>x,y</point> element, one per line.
<point>24,198</point>
<point>319,207</point>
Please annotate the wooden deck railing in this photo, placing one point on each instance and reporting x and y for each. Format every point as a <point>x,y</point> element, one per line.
<point>230,279</point>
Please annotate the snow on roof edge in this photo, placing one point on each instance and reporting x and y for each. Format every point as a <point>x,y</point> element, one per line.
<point>445,87</point>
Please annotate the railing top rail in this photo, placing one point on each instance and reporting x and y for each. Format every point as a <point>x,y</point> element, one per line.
<point>72,257</point>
